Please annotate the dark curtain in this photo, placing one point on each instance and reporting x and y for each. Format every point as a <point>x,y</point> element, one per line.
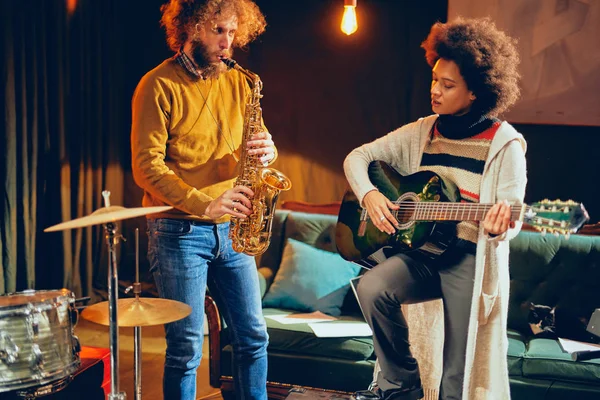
<point>63,140</point>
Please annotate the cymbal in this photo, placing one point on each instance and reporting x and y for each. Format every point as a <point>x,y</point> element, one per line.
<point>141,311</point>
<point>106,214</point>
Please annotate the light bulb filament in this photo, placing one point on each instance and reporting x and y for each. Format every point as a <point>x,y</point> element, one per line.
<point>349,24</point>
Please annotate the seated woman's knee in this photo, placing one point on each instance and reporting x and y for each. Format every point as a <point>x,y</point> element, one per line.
<point>371,288</point>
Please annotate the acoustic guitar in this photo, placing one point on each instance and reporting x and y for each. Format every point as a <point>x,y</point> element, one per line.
<point>430,208</point>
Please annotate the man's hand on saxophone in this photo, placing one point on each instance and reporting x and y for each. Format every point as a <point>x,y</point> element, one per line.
<point>234,201</point>
<point>262,144</point>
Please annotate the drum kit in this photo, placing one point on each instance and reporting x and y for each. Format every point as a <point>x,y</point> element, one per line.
<point>39,352</point>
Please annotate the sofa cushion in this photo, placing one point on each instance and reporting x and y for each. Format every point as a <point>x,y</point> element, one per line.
<point>516,352</point>
<point>300,339</point>
<point>317,230</point>
<point>545,359</point>
<point>557,272</point>
<point>310,279</point>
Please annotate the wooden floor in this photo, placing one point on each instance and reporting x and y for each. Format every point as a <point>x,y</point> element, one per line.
<point>153,353</point>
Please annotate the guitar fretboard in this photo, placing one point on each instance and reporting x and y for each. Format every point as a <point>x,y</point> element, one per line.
<point>434,211</point>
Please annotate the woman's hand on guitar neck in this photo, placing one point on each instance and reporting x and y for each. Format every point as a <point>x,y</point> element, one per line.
<point>378,207</point>
<point>497,219</point>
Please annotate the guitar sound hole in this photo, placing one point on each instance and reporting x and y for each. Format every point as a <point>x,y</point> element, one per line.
<point>405,213</point>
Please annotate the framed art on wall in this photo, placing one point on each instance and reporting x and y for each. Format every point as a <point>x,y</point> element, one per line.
<point>560,56</point>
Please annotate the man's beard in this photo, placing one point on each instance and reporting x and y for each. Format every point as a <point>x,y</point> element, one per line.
<point>201,57</point>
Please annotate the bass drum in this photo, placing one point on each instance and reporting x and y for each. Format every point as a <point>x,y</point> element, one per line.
<point>37,344</point>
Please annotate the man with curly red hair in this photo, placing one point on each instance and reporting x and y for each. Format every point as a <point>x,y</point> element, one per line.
<point>187,124</point>
<point>458,347</point>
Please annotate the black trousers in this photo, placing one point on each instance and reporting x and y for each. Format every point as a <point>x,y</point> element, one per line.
<point>403,279</point>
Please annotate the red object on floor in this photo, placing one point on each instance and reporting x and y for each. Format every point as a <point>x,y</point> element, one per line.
<point>91,356</point>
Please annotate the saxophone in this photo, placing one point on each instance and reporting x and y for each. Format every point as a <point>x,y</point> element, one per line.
<point>252,235</point>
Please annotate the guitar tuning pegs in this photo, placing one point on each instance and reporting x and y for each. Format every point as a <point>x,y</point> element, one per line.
<point>556,233</point>
<point>567,235</point>
<point>543,232</point>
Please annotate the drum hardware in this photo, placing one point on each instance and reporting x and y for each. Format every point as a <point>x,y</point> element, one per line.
<point>9,351</point>
<point>51,388</point>
<point>37,358</point>
<point>112,239</point>
<point>108,216</point>
<point>137,330</point>
<point>81,300</point>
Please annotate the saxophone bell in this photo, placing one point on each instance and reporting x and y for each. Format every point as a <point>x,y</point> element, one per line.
<point>275,179</point>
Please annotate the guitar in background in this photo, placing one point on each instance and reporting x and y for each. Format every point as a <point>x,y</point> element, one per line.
<point>429,210</point>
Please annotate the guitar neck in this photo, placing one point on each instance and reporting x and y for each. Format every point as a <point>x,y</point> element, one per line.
<point>434,211</point>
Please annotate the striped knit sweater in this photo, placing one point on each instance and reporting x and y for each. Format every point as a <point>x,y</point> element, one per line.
<point>457,152</point>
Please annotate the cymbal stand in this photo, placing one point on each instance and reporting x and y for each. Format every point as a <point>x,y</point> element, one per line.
<point>137,330</point>
<point>113,285</point>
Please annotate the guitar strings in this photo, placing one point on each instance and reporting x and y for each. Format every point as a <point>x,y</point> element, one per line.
<point>409,209</point>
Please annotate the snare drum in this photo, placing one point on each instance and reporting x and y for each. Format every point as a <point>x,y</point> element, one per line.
<point>37,345</point>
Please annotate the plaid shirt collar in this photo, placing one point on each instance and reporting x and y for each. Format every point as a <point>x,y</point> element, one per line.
<point>187,64</point>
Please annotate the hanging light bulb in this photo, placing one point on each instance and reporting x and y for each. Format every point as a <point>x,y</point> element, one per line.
<point>71,6</point>
<point>349,24</point>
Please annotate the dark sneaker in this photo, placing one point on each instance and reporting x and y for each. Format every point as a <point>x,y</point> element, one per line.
<point>366,395</point>
<point>414,392</point>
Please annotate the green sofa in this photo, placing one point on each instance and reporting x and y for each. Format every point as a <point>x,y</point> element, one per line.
<point>544,270</point>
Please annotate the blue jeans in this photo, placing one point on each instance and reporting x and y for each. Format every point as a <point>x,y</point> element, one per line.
<point>185,255</point>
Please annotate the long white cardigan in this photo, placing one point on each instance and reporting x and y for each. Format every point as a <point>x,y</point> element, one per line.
<point>504,178</point>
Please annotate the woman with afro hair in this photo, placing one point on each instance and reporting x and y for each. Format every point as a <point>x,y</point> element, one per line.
<point>454,348</point>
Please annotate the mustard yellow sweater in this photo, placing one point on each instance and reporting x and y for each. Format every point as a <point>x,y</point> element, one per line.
<point>179,155</point>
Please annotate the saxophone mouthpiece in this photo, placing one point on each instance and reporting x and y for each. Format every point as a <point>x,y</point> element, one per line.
<point>229,62</point>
